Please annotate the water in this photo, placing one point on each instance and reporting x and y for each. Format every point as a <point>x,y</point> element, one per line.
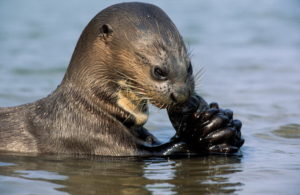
<point>250,53</point>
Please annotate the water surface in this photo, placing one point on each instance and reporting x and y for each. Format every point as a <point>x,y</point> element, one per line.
<point>250,53</point>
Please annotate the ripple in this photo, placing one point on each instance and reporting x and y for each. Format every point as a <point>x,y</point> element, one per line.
<point>13,185</point>
<point>161,188</point>
<point>4,164</point>
<point>288,131</point>
<point>39,174</point>
<point>160,170</point>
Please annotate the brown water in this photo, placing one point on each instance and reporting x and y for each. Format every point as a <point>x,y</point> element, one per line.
<point>250,52</point>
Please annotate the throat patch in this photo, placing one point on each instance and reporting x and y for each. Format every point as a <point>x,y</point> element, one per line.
<point>135,106</point>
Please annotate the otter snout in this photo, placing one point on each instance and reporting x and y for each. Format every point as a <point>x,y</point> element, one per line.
<point>180,95</point>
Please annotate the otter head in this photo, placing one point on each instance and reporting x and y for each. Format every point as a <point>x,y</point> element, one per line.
<point>134,51</point>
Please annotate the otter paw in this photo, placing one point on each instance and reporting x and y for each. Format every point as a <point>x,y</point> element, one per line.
<point>206,128</point>
<point>215,131</point>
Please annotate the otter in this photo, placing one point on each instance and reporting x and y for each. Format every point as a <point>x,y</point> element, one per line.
<point>129,55</point>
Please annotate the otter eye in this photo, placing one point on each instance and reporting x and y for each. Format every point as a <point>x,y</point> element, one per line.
<point>159,73</point>
<point>190,69</point>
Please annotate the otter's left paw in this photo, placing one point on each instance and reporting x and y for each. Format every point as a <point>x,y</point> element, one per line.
<point>215,131</point>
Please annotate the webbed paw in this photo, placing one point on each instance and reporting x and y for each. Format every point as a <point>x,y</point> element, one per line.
<point>206,128</point>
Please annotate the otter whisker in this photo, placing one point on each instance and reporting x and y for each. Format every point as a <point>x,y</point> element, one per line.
<point>125,75</point>
<point>199,74</point>
<point>197,77</point>
<point>131,80</point>
<point>135,87</point>
<point>127,118</point>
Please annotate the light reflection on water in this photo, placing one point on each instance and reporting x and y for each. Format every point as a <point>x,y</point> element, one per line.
<point>250,54</point>
<point>122,175</point>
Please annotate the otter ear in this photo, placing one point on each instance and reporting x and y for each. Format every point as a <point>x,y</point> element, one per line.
<point>106,32</point>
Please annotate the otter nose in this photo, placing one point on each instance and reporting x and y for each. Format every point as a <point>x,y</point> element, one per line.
<point>180,96</point>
